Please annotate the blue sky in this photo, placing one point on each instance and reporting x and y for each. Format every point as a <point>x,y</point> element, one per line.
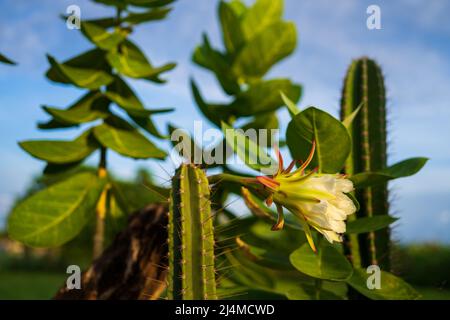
<point>413,48</point>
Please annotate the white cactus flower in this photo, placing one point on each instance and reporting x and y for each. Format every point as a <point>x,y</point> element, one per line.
<point>318,200</point>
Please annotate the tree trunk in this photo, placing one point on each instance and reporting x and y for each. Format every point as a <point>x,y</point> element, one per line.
<point>133,267</point>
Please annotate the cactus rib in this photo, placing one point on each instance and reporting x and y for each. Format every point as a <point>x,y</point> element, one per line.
<point>191,238</point>
<point>364,83</point>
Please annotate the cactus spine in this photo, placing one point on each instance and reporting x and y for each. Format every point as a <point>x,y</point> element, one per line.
<point>191,238</point>
<point>364,84</point>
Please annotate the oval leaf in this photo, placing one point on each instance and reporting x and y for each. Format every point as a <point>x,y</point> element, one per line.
<point>231,29</point>
<point>327,264</point>
<point>57,214</point>
<point>61,152</point>
<point>149,3</point>
<point>130,61</point>
<point>260,53</point>
<point>81,77</point>
<point>309,292</point>
<point>127,142</point>
<point>332,139</point>
<point>101,37</point>
<point>391,287</point>
<point>150,15</point>
<point>401,169</point>
<point>120,93</point>
<point>214,112</point>
<point>264,96</point>
<point>209,58</point>
<point>91,59</point>
<point>367,224</point>
<point>90,107</point>
<point>260,15</point>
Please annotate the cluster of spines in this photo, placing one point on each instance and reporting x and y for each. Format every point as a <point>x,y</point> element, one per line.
<point>191,273</point>
<point>364,85</point>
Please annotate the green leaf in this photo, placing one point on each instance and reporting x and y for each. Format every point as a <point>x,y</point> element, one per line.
<point>392,287</point>
<point>267,120</point>
<point>263,97</point>
<point>148,125</point>
<point>238,7</point>
<point>333,142</point>
<point>91,59</point>
<point>326,264</point>
<point>55,215</point>
<point>248,150</point>
<point>102,22</point>
<point>309,292</point>
<point>150,15</point>
<point>149,3</point>
<point>292,107</point>
<point>349,120</point>
<point>233,37</point>
<point>367,224</point>
<point>61,152</point>
<point>53,168</point>
<point>6,60</point>
<point>120,93</point>
<point>259,54</point>
<point>131,62</point>
<point>401,169</point>
<point>247,272</point>
<point>211,59</point>
<point>262,14</point>
<point>81,77</point>
<point>101,37</point>
<point>405,168</point>
<point>213,112</point>
<point>120,4</point>
<point>264,121</point>
<point>127,142</point>
<point>90,107</point>
<point>55,124</point>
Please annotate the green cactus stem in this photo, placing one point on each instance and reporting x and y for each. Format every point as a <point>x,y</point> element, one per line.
<point>364,85</point>
<point>191,237</point>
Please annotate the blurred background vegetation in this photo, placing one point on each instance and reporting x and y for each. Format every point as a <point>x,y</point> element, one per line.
<point>27,273</point>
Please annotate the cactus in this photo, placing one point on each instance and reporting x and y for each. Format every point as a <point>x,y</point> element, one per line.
<point>364,85</point>
<point>191,238</point>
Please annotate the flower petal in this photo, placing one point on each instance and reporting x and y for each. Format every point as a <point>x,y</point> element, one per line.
<point>344,203</point>
<point>344,185</point>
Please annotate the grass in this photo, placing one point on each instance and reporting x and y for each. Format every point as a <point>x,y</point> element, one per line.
<point>38,285</point>
<point>29,285</point>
